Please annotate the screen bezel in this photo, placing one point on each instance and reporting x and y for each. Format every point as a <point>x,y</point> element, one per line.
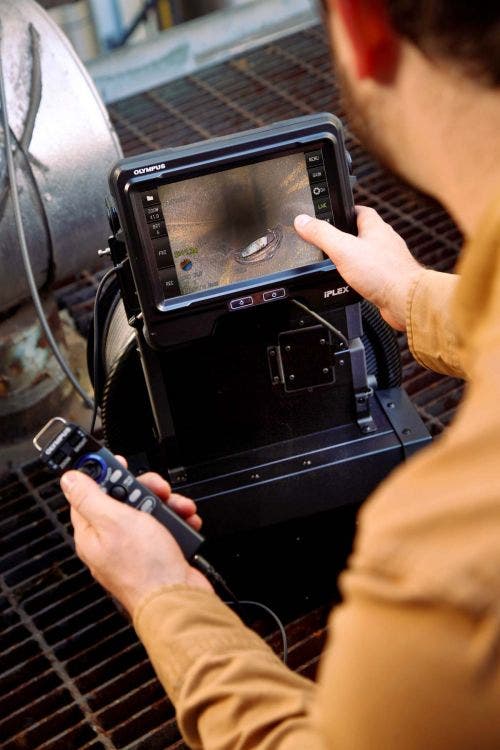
<point>174,174</point>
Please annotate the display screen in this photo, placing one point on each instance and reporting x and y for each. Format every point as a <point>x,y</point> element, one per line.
<point>233,226</point>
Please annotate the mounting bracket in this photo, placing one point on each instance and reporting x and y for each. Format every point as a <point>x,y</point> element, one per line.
<point>303,359</point>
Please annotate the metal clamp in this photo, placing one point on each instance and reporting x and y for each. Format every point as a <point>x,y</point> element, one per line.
<point>44,429</point>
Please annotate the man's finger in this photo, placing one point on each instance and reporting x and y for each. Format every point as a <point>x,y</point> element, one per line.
<point>184,506</point>
<point>156,484</point>
<point>336,244</point>
<point>367,220</point>
<point>88,499</point>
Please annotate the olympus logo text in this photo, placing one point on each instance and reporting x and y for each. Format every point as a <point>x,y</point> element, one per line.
<point>146,170</point>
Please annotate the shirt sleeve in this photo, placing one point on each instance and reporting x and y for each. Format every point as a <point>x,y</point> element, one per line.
<point>229,688</point>
<point>430,325</point>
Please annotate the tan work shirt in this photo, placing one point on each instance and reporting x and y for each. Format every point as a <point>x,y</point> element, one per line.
<point>413,656</point>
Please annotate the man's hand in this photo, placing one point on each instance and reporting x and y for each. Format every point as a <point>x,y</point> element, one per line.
<point>376,263</point>
<point>129,552</point>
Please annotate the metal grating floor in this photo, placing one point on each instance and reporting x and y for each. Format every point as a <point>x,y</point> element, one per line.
<point>72,673</point>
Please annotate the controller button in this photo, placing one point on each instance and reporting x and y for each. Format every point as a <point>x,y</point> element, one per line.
<point>92,468</point>
<point>134,496</point>
<point>148,504</point>
<point>59,457</point>
<point>115,476</point>
<point>118,492</point>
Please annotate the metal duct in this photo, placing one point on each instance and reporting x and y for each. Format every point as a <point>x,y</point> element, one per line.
<point>65,147</point>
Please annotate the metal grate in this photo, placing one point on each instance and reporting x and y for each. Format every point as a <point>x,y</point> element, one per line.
<point>73,674</point>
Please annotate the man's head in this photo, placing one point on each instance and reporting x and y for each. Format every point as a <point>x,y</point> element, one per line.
<point>411,72</point>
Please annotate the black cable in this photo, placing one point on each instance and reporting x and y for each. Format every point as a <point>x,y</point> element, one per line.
<point>11,171</point>
<point>207,569</point>
<point>325,322</point>
<point>275,617</point>
<point>96,351</point>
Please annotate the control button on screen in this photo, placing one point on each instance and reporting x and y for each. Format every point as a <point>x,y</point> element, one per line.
<point>273,294</point>
<point>314,158</point>
<point>322,205</point>
<point>153,213</point>
<point>235,304</point>
<point>163,254</point>
<point>170,284</point>
<point>157,229</point>
<point>317,174</point>
<point>150,198</point>
<point>320,189</point>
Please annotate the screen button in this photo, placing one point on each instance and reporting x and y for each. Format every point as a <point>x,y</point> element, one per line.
<point>317,174</point>
<point>153,213</point>
<point>314,158</point>
<point>273,294</point>
<point>170,284</point>
<point>320,189</point>
<point>150,198</point>
<point>157,229</point>
<point>322,205</point>
<point>163,254</point>
<point>236,304</point>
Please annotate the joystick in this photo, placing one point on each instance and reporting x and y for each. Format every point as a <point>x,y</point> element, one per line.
<point>67,446</point>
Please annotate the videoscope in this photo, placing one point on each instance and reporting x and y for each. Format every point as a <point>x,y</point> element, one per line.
<point>235,360</point>
<point>209,227</point>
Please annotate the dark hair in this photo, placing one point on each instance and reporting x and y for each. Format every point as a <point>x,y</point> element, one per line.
<point>466,31</point>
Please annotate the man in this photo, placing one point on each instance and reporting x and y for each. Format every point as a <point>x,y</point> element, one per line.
<point>413,659</point>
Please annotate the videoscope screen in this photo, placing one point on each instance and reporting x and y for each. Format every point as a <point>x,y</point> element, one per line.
<point>236,225</point>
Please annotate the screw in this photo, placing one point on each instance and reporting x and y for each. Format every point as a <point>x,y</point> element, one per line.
<point>301,322</point>
<point>406,431</point>
<point>341,362</point>
<point>391,405</point>
<point>322,342</point>
<point>276,379</point>
<point>325,370</point>
<point>307,462</point>
<point>287,348</point>
<point>272,353</point>
<point>361,400</point>
<point>255,476</point>
<point>291,377</point>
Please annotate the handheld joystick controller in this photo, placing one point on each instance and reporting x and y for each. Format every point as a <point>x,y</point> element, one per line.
<point>68,446</point>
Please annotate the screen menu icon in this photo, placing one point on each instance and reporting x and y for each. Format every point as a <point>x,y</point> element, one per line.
<point>319,187</point>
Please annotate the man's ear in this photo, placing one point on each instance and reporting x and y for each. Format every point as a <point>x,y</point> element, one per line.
<point>373,41</point>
